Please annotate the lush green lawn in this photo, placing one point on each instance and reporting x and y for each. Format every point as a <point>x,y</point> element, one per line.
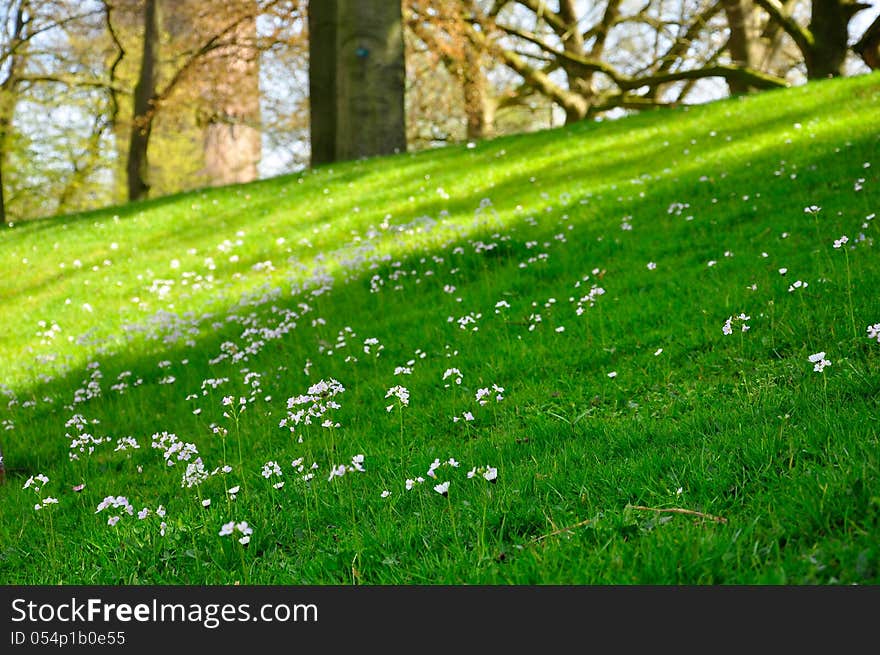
<point>588,272</point>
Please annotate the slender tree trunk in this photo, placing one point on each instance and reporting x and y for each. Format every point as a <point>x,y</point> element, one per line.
<point>144,105</point>
<point>9,90</point>
<point>7,108</point>
<point>370,79</point>
<point>322,80</point>
<point>4,126</point>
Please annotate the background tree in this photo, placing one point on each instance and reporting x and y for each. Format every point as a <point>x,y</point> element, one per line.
<point>145,98</point>
<point>366,93</point>
<point>443,29</point>
<point>868,46</point>
<point>824,41</point>
<point>593,59</point>
<point>41,68</point>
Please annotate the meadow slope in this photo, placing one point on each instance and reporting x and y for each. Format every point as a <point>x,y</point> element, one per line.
<point>644,351</point>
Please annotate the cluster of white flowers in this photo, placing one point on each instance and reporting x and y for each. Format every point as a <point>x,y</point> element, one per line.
<point>357,464</point>
<point>173,448</point>
<point>300,468</point>
<point>490,473</point>
<point>82,442</point>
<point>270,469</point>
<point>126,443</point>
<point>312,406</point>
<point>436,464</point>
<point>412,482</point>
<point>195,474</point>
<point>146,511</point>
<point>241,528</point>
<point>401,393</point>
<point>37,482</point>
<point>370,343</point>
<point>728,324</point>
<point>470,319</point>
<point>484,393</point>
<point>453,373</point>
<point>116,502</point>
<point>589,300</point>
<point>819,362</point>
<point>874,332</point>
<point>237,410</point>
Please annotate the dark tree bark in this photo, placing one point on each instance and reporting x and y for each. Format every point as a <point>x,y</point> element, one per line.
<point>868,47</point>
<point>370,79</point>
<point>823,43</point>
<point>144,105</point>
<point>741,43</point>
<point>322,80</point>
<point>828,25</point>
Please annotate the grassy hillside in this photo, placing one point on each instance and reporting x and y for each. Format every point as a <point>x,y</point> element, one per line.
<point>604,338</point>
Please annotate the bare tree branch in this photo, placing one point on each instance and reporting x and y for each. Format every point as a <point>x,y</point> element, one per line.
<point>802,37</point>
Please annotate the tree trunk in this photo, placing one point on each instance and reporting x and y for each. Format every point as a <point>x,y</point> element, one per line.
<point>4,127</point>
<point>829,26</point>
<point>370,79</point>
<point>742,42</point>
<point>868,47</point>
<point>478,106</point>
<point>232,146</point>
<point>573,42</point>
<point>322,80</point>
<point>144,106</point>
<point>8,92</point>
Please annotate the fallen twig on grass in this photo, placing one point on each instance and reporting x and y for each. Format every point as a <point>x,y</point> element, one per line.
<point>680,510</point>
<point>561,530</point>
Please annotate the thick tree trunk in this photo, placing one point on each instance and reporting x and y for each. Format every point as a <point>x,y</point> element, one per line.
<point>828,26</point>
<point>322,80</point>
<point>573,42</point>
<point>144,99</point>
<point>232,146</point>
<point>742,41</point>
<point>370,79</point>
<point>479,107</point>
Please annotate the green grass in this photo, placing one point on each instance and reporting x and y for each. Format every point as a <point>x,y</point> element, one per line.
<point>723,459</point>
